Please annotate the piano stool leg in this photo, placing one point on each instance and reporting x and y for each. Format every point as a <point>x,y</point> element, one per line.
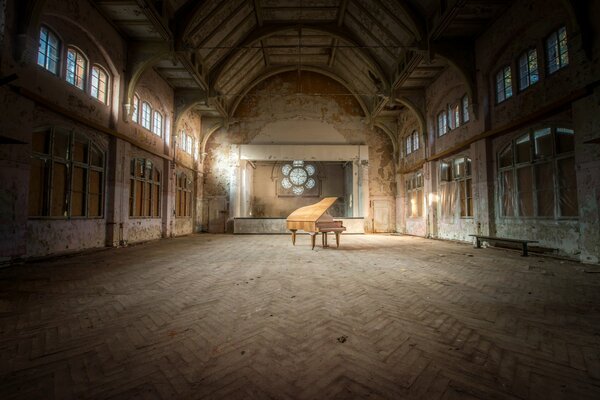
<point>325,240</point>
<point>337,239</point>
<point>312,239</point>
<point>294,237</point>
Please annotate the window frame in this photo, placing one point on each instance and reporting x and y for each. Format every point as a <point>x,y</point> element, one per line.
<point>50,159</point>
<point>135,112</point>
<point>145,181</point>
<point>507,84</point>
<point>442,123</point>
<point>464,109</point>
<point>102,70</point>
<point>415,190</point>
<point>146,106</point>
<point>452,182</point>
<point>84,75</point>
<point>558,47</point>
<point>529,73</point>
<point>49,32</point>
<point>183,196</point>
<point>157,132</point>
<point>553,160</point>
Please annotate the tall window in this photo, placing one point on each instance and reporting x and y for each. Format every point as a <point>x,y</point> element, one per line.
<point>557,52</point>
<point>528,69</point>
<point>414,195</point>
<point>183,198</point>
<point>453,116</point>
<point>504,84</point>
<point>465,109</point>
<point>99,89</point>
<point>157,126</point>
<point>456,187</point>
<point>66,177</point>
<point>76,68</point>
<point>412,142</point>
<point>186,142</point>
<point>146,115</point>
<point>135,116</point>
<point>537,175</point>
<point>48,50</point>
<point>144,190</point>
<point>442,123</point>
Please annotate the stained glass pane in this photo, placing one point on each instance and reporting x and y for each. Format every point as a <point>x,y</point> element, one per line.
<point>286,184</point>
<point>285,170</point>
<point>310,183</point>
<point>310,169</point>
<point>298,190</point>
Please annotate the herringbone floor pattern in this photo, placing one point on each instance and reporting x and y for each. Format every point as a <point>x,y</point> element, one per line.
<point>251,317</point>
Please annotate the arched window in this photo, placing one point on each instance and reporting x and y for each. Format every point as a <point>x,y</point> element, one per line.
<point>183,198</point>
<point>412,143</point>
<point>157,126</point>
<point>135,115</point>
<point>146,115</point>
<point>66,176</point>
<point>537,175</point>
<point>48,50</point>
<point>144,189</point>
<point>99,86</point>
<point>76,68</point>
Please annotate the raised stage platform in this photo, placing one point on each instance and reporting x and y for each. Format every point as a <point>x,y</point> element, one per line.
<point>266,225</point>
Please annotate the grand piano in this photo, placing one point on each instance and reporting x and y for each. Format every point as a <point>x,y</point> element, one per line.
<point>314,219</point>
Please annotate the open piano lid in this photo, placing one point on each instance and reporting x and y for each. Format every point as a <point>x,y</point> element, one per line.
<point>313,212</point>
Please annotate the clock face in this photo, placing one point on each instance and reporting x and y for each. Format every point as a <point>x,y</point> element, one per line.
<point>298,176</point>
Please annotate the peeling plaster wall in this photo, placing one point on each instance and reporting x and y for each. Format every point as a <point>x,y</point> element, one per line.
<point>280,109</point>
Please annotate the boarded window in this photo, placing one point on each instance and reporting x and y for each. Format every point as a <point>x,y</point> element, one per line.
<point>184,196</point>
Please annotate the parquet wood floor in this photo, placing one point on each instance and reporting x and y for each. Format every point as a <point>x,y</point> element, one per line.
<point>251,317</point>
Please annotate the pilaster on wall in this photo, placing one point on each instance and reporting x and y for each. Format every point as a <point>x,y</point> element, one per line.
<point>587,149</point>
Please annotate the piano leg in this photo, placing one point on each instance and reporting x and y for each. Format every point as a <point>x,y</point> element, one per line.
<point>337,239</point>
<point>324,235</point>
<point>312,239</point>
<point>293,236</point>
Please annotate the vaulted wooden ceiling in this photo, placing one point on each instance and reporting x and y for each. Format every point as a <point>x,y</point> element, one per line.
<point>373,46</point>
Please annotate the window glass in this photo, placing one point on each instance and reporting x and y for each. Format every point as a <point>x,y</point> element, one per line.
<point>543,142</point>
<point>76,68</point>
<point>99,84</point>
<point>135,116</point>
<point>415,141</point>
<point>507,193</point>
<point>528,69</point>
<point>565,140</point>
<point>48,50</point>
<point>465,109</point>
<point>157,127</point>
<point>408,145</point>
<point>557,53</point>
<point>506,157</point>
<point>567,183</point>
<point>525,191</point>
<point>523,149</point>
<point>504,84</point>
<point>146,115</point>
<point>544,184</point>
